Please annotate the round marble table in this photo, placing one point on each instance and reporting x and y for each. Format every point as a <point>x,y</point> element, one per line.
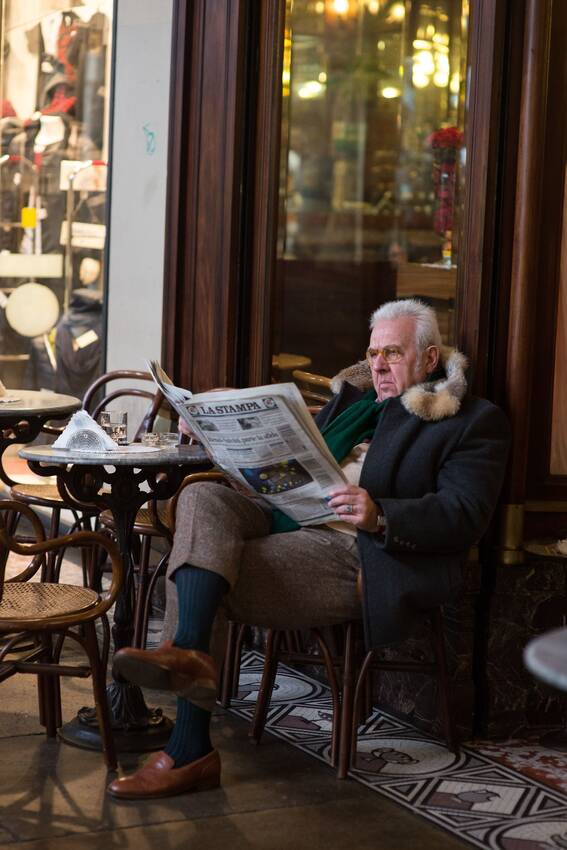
<point>130,478</point>
<point>546,657</point>
<point>22,420</point>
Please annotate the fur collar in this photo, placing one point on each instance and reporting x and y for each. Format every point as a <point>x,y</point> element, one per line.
<point>429,401</point>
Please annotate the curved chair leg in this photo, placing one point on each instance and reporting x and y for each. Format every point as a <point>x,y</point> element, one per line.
<point>266,685</point>
<point>347,710</point>
<point>335,695</point>
<point>144,565</point>
<point>226,691</point>
<point>237,658</point>
<point>360,692</point>
<point>158,571</point>
<point>48,691</point>
<point>49,567</point>
<point>443,682</point>
<point>99,691</point>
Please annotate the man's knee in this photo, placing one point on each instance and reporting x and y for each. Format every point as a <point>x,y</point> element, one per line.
<point>204,495</point>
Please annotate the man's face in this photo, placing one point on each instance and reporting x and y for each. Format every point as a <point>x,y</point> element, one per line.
<point>392,379</point>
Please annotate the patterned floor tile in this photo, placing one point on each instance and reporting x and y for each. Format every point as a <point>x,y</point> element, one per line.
<point>505,797</point>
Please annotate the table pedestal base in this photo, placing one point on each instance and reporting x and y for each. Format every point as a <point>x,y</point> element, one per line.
<point>136,728</point>
<point>153,737</point>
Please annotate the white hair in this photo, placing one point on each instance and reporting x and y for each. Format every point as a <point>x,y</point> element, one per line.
<point>426,327</point>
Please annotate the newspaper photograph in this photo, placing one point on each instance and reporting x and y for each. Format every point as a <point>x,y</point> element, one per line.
<point>265,439</point>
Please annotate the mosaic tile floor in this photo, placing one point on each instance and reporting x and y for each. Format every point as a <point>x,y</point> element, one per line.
<point>506,797</point>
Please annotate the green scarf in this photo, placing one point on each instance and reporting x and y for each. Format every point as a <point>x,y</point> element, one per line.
<point>354,425</point>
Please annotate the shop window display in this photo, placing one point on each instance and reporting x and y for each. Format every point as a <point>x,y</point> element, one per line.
<point>372,170</point>
<point>54,102</point>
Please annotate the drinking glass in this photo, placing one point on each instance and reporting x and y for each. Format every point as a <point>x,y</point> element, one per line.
<point>169,439</point>
<point>115,424</point>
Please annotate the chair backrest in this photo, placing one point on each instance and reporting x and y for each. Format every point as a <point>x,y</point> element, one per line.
<point>36,562</point>
<point>100,394</point>
<point>39,549</point>
<point>315,389</point>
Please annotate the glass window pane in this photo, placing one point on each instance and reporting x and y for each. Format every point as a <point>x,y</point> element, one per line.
<point>54,88</point>
<point>372,171</point>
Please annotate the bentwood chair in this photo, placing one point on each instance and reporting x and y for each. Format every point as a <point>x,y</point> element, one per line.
<point>43,615</point>
<point>339,653</point>
<point>106,389</point>
<point>348,673</point>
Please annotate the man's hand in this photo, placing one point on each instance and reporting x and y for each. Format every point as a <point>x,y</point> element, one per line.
<point>184,428</point>
<point>354,505</point>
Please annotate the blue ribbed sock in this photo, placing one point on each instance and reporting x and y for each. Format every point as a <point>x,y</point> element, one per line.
<point>199,593</point>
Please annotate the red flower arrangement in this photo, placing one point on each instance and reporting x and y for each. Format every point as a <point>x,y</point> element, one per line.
<point>445,143</point>
<point>446,137</point>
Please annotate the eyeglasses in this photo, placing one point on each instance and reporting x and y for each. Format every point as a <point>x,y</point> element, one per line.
<point>390,353</point>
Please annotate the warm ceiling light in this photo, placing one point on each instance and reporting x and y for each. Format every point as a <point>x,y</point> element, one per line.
<point>320,7</point>
<point>322,77</point>
<point>310,89</point>
<point>390,92</point>
<point>424,60</point>
<point>341,7</point>
<point>419,78</point>
<point>455,84</point>
<point>397,12</point>
<point>373,7</point>
<point>381,45</point>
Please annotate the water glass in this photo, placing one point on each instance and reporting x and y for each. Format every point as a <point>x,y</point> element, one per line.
<point>115,424</point>
<point>150,439</point>
<point>169,439</point>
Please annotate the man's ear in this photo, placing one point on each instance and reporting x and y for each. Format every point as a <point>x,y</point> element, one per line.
<point>431,358</point>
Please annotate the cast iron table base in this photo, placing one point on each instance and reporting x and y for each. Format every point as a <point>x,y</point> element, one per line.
<point>132,481</point>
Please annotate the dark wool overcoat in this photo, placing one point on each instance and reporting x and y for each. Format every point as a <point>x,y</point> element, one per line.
<point>435,467</point>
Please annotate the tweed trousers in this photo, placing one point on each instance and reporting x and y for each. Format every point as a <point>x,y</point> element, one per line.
<point>284,581</point>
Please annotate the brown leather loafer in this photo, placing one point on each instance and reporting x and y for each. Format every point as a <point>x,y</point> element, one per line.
<point>187,672</point>
<point>159,778</point>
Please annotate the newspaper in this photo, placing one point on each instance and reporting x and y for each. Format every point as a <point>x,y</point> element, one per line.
<point>265,439</point>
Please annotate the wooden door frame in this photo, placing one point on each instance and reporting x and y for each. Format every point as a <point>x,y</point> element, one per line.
<point>204,196</point>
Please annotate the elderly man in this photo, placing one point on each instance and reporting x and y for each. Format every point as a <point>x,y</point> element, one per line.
<point>425,464</point>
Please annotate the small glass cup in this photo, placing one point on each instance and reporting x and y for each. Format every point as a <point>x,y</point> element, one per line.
<point>169,439</point>
<point>115,424</point>
<point>150,439</point>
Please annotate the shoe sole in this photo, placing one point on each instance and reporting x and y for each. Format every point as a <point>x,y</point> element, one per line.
<point>202,785</point>
<point>201,692</point>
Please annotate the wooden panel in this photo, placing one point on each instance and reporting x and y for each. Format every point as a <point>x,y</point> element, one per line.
<point>204,201</point>
<point>558,464</point>
<point>489,22</point>
<point>550,159</point>
<point>523,301</point>
<point>265,190</point>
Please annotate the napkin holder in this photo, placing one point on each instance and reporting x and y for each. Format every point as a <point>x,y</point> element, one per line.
<point>83,434</point>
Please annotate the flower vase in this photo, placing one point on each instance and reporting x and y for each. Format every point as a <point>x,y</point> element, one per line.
<point>444,179</point>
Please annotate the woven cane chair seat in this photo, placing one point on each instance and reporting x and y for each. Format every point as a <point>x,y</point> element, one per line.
<point>143,524</point>
<point>33,601</point>
<point>41,492</point>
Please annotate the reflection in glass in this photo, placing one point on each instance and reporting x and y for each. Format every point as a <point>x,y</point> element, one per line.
<point>54,96</point>
<point>371,169</point>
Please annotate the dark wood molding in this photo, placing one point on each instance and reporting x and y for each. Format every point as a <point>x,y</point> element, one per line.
<point>177,324</point>
<point>482,138</point>
<point>266,186</point>
<point>204,192</point>
<point>552,163</point>
<point>524,279</point>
